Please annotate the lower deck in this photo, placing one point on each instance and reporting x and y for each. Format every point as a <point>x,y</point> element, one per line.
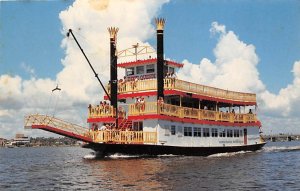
<point>172,133</point>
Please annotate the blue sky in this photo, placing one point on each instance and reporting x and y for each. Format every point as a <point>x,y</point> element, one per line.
<point>31,52</point>
<point>30,34</point>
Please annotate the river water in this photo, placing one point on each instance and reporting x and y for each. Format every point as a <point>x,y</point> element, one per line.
<point>275,167</point>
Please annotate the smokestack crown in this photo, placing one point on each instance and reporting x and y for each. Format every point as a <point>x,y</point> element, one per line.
<point>113,32</point>
<point>160,23</point>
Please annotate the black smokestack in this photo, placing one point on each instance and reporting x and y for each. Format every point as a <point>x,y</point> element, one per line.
<point>113,67</point>
<point>160,23</point>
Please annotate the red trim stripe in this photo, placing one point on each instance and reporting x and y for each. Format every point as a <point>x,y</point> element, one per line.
<point>148,61</point>
<point>102,119</point>
<point>196,121</point>
<point>62,132</point>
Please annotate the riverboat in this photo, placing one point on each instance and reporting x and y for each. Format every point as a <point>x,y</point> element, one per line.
<point>152,112</point>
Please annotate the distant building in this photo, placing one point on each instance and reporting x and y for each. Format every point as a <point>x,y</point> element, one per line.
<point>2,142</point>
<point>21,140</point>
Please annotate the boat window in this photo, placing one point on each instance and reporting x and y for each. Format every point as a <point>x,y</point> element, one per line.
<point>205,132</point>
<point>138,126</point>
<point>229,132</point>
<point>140,70</point>
<point>179,129</point>
<point>187,131</point>
<point>130,71</point>
<point>165,70</point>
<point>241,133</point>
<point>197,132</point>
<point>173,130</point>
<point>167,130</point>
<point>214,132</point>
<point>150,68</point>
<point>236,133</point>
<point>171,70</point>
<point>222,133</point>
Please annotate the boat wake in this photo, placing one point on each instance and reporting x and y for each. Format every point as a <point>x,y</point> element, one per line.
<point>281,149</point>
<point>90,156</point>
<point>228,154</point>
<point>119,156</point>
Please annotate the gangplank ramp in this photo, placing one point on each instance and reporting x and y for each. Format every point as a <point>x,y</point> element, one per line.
<point>58,126</point>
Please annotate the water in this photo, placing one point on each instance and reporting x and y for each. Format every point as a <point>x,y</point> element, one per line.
<point>276,167</point>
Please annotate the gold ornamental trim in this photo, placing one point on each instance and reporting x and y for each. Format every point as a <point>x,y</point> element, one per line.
<point>160,23</point>
<point>113,32</point>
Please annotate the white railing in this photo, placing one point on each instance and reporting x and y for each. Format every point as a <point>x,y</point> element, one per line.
<point>46,120</point>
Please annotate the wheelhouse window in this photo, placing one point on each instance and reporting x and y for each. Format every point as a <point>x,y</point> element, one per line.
<point>140,70</point>
<point>214,132</point>
<point>150,68</point>
<point>197,132</point>
<point>187,131</point>
<point>173,130</point>
<point>222,133</point>
<point>165,70</point>
<point>130,71</point>
<point>229,132</point>
<point>206,132</point>
<point>236,133</point>
<point>171,70</point>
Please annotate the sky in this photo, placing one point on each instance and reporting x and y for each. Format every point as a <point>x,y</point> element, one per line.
<point>250,46</point>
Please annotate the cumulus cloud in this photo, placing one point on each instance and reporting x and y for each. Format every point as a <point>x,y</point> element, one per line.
<point>232,55</point>
<point>89,21</point>
<point>235,68</point>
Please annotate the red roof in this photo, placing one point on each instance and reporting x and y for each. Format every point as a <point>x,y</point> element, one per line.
<point>147,61</point>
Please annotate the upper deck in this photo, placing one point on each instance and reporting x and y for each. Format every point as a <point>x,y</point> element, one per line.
<point>177,86</point>
<point>141,80</point>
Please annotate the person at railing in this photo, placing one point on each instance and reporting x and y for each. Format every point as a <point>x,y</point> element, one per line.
<point>134,83</point>
<point>103,127</point>
<point>122,85</point>
<point>101,108</point>
<point>138,101</point>
<point>90,109</point>
<point>160,103</point>
<point>143,104</point>
<point>250,111</point>
<point>97,110</point>
<point>105,107</point>
<point>172,77</point>
<point>121,112</point>
<point>232,111</point>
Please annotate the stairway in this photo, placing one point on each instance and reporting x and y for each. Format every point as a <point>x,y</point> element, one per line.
<point>57,126</point>
<point>123,124</point>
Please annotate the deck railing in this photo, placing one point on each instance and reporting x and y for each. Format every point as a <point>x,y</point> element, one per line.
<point>114,136</point>
<point>176,84</point>
<point>191,113</point>
<point>56,123</point>
<point>108,111</point>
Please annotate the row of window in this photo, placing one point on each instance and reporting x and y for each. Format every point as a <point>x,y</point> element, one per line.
<point>140,70</point>
<point>146,70</point>
<point>202,132</point>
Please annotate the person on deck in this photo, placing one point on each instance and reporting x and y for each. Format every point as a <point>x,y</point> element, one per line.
<point>103,127</point>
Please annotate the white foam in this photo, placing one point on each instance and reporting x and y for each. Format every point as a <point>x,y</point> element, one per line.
<point>90,156</point>
<point>281,149</point>
<point>228,154</point>
<point>116,156</point>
